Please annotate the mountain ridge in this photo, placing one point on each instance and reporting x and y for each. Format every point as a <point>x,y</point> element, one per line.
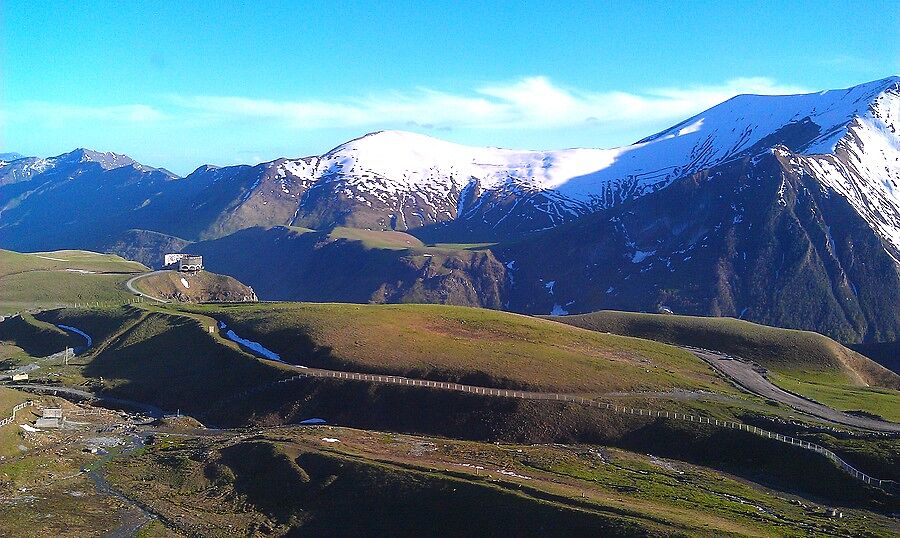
<point>815,247</point>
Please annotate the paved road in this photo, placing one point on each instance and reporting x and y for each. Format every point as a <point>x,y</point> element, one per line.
<point>743,374</point>
<point>130,285</point>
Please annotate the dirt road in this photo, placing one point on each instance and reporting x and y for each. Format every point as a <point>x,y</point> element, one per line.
<point>743,374</point>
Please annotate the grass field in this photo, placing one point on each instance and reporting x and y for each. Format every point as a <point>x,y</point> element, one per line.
<point>832,390</point>
<point>35,337</point>
<point>50,279</point>
<point>377,239</point>
<point>308,479</point>
<point>800,361</point>
<point>392,240</point>
<point>463,246</point>
<point>9,434</point>
<point>465,345</point>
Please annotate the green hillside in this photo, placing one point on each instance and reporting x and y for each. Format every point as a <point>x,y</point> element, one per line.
<point>465,345</point>
<point>35,337</point>
<point>353,265</point>
<point>804,362</point>
<point>50,279</point>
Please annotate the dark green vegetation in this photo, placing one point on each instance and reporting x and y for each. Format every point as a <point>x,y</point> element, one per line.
<point>35,337</point>
<point>803,362</point>
<point>50,279</point>
<point>338,481</point>
<point>172,362</point>
<point>167,357</point>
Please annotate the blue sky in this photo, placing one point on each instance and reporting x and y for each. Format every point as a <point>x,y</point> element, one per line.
<point>182,84</point>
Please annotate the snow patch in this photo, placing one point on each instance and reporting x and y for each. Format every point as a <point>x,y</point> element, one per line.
<point>184,282</point>
<point>642,255</point>
<point>514,475</point>
<point>256,347</point>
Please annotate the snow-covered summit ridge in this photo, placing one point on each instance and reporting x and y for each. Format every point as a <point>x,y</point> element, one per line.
<point>399,160</point>
<point>417,180</point>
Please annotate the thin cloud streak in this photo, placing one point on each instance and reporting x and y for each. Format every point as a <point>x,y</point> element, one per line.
<point>59,113</point>
<point>530,103</point>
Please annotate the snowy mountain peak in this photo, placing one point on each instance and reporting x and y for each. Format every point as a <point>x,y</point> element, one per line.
<point>405,180</point>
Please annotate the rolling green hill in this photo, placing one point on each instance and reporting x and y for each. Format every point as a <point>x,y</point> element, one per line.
<point>50,279</point>
<point>289,263</point>
<point>463,344</point>
<point>35,337</point>
<point>801,361</point>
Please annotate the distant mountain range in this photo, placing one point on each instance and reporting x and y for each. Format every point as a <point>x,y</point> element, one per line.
<point>778,209</point>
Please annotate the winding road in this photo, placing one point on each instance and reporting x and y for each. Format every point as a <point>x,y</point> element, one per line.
<point>130,285</point>
<point>743,374</point>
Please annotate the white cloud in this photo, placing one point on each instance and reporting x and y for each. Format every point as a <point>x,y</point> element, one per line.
<point>527,103</point>
<point>65,113</point>
<point>530,103</point>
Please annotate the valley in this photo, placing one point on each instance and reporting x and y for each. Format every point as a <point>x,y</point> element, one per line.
<point>571,269</point>
<point>457,373</point>
<point>781,210</point>
<point>655,340</point>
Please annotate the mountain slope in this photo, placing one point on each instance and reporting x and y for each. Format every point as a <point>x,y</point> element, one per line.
<point>754,238</point>
<point>351,265</point>
<point>780,209</point>
<point>404,181</point>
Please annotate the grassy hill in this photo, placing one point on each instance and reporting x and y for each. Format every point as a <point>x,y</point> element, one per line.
<point>194,288</point>
<point>49,279</point>
<point>294,481</point>
<point>166,356</point>
<point>171,361</point>
<point>801,361</point>
<point>353,265</point>
<point>286,491</point>
<point>35,337</point>
<point>463,344</point>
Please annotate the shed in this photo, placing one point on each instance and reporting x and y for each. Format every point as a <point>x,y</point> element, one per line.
<point>52,412</point>
<point>47,423</point>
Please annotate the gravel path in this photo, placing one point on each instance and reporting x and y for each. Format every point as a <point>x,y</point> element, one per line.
<point>743,374</point>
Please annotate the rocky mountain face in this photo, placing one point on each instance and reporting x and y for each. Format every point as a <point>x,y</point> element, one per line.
<point>303,265</point>
<point>797,225</point>
<point>778,209</point>
<point>755,238</point>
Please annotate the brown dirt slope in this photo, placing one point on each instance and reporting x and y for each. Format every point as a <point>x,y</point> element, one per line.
<point>201,287</point>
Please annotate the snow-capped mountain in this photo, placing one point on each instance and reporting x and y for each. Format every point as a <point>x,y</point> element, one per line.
<point>729,212</point>
<point>846,139</point>
<point>406,181</point>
